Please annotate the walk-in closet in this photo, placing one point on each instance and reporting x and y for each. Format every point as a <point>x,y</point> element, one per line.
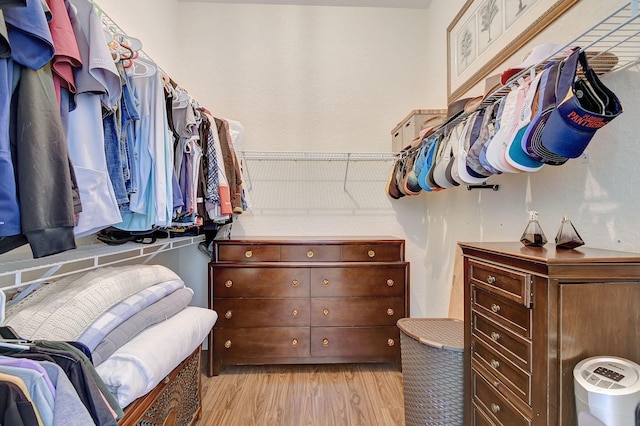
<point>319,212</point>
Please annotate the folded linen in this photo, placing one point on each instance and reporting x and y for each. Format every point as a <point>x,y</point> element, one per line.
<point>139,365</point>
<point>157,312</point>
<point>62,309</point>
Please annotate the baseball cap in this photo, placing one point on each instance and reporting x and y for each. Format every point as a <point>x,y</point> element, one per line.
<point>431,145</point>
<point>546,102</point>
<point>463,173</point>
<point>542,52</point>
<point>418,165</point>
<point>442,168</point>
<point>514,154</point>
<point>482,156</point>
<point>584,106</point>
<point>484,134</point>
<point>495,150</point>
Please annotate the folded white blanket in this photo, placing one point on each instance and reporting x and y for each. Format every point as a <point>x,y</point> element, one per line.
<point>139,365</point>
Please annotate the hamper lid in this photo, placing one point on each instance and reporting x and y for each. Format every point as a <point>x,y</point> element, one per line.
<point>441,333</point>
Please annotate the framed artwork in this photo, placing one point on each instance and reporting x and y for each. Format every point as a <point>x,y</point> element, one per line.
<point>487,32</point>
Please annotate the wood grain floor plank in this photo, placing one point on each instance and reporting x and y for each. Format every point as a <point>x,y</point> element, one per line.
<point>306,395</point>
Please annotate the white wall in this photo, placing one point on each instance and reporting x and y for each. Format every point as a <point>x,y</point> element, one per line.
<point>310,78</point>
<point>339,79</point>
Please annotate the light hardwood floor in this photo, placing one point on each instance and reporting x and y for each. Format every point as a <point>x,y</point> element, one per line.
<point>320,395</point>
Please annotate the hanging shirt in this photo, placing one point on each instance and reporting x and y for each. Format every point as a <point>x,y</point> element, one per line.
<point>44,177</point>
<point>29,35</point>
<point>27,363</point>
<point>100,63</point>
<point>16,408</point>
<point>9,208</point>
<point>152,205</point>
<point>68,410</point>
<point>85,129</point>
<point>27,28</point>
<point>67,55</point>
<point>37,387</point>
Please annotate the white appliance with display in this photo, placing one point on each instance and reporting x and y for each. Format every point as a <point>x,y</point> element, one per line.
<point>607,392</point>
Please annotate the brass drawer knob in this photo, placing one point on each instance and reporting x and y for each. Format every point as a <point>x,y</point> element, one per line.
<point>228,314</point>
<point>371,254</point>
<point>496,384</point>
<point>326,312</point>
<point>495,308</point>
<point>227,344</point>
<point>391,342</point>
<point>325,342</point>
<point>248,254</point>
<point>495,364</point>
<point>295,283</point>
<point>294,343</point>
<point>495,408</point>
<point>166,380</point>
<point>491,279</point>
<point>390,282</point>
<point>294,313</point>
<point>325,282</point>
<point>390,312</point>
<point>228,284</point>
<point>310,254</point>
<point>495,336</point>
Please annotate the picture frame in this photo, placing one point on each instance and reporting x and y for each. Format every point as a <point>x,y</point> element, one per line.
<point>487,32</point>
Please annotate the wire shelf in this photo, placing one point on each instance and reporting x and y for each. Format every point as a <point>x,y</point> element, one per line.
<point>20,270</point>
<point>611,45</point>
<point>317,182</point>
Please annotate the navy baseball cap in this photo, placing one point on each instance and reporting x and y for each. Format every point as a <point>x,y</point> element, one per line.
<point>584,106</point>
<point>546,98</point>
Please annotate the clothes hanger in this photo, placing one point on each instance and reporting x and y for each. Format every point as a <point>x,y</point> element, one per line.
<point>15,346</point>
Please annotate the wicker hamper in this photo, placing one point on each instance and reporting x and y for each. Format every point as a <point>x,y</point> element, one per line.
<point>432,370</point>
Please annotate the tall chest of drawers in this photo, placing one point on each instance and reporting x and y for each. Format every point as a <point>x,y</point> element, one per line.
<point>304,301</point>
<point>531,314</point>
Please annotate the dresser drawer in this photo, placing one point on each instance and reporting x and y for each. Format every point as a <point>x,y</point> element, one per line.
<point>368,342</point>
<point>240,313</point>
<point>507,283</point>
<point>372,252</point>
<point>251,343</point>
<point>309,253</point>
<point>248,252</point>
<point>370,281</point>
<point>356,311</point>
<point>510,314</point>
<point>263,281</point>
<point>516,379</point>
<point>495,404</point>
<point>480,418</point>
<point>511,345</point>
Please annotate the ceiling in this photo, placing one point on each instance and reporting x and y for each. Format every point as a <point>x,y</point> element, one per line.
<point>408,4</point>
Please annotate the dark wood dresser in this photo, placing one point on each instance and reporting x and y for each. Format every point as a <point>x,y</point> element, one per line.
<point>303,301</point>
<point>531,314</point>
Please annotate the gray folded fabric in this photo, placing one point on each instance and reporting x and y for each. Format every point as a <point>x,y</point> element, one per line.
<point>152,314</point>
